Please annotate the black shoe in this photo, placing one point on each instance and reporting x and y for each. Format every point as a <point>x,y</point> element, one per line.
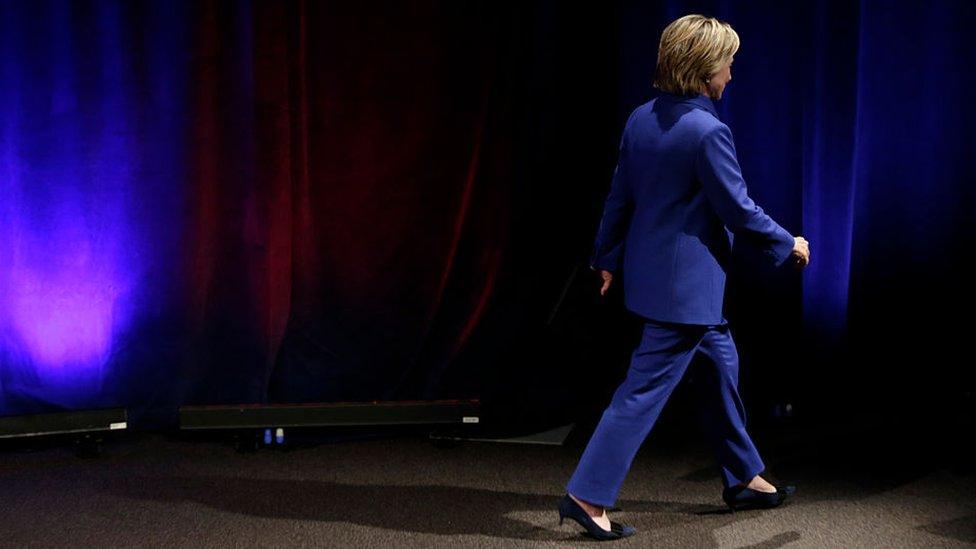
<point>739,497</point>
<point>569,508</point>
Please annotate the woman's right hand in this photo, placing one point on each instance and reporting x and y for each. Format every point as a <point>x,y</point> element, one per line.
<point>801,252</point>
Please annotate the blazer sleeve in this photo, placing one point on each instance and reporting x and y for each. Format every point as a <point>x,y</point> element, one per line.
<point>617,211</point>
<point>721,178</point>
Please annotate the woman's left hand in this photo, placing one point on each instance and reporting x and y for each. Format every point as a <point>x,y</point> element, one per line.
<point>607,279</point>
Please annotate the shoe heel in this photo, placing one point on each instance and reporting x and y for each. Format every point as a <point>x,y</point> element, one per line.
<point>571,509</point>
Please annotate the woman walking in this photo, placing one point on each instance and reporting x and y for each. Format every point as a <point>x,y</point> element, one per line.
<point>676,199</point>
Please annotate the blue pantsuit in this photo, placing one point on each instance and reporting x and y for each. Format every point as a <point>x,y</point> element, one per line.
<point>676,201</point>
<point>656,367</point>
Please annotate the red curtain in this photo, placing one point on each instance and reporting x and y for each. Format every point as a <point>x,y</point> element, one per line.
<point>346,217</point>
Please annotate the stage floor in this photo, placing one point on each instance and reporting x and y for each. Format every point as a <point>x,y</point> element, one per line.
<point>163,490</point>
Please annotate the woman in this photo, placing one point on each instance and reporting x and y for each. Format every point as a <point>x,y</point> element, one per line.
<point>676,198</point>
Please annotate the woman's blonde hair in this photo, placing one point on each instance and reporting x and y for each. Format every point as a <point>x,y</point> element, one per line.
<point>692,49</point>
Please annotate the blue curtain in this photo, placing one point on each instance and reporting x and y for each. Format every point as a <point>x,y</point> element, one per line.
<point>91,180</point>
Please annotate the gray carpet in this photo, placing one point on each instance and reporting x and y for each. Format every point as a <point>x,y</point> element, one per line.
<point>164,490</point>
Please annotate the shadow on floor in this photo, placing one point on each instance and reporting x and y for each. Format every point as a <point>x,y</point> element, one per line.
<point>428,509</point>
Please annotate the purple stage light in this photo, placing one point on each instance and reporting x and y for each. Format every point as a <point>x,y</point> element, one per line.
<point>69,253</point>
<point>63,286</point>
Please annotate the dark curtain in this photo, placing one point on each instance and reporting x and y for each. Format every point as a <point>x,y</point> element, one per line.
<point>228,202</point>
<point>252,202</point>
<point>346,218</point>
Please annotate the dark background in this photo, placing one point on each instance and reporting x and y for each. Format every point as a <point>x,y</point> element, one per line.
<point>231,202</point>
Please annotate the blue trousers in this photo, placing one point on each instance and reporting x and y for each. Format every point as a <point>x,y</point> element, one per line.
<point>656,367</point>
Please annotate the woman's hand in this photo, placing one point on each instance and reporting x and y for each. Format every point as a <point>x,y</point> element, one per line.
<point>607,279</point>
<point>801,252</point>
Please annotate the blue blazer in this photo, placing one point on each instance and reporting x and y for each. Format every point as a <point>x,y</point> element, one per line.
<point>676,199</point>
